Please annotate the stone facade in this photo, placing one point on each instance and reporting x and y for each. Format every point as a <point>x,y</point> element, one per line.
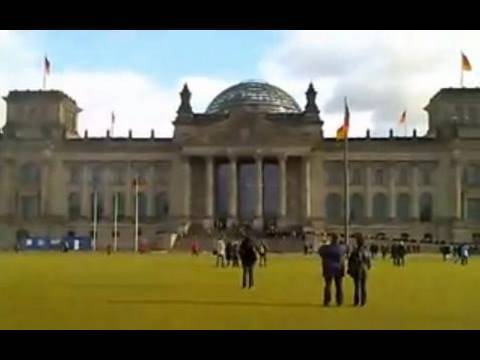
<point>247,162</point>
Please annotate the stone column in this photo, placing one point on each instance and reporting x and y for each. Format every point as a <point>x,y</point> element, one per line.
<point>259,186</point>
<point>282,162</point>
<point>209,191</point>
<point>308,200</point>
<point>368,192</point>
<point>258,221</point>
<point>233,189</point>
<point>392,201</point>
<point>187,187</point>
<point>415,195</point>
<point>458,189</point>
<point>85,193</point>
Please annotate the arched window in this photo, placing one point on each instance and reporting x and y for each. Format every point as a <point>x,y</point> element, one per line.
<point>426,207</point>
<point>30,174</point>
<point>161,206</point>
<point>403,207</point>
<point>333,207</point>
<point>73,206</point>
<point>356,208</point>
<point>380,207</point>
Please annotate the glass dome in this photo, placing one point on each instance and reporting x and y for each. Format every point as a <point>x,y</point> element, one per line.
<point>256,96</point>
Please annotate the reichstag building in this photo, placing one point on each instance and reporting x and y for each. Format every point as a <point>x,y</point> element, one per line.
<point>254,156</point>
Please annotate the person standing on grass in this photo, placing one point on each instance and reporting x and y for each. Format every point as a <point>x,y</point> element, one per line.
<point>228,252</point>
<point>248,256</point>
<point>235,255</point>
<point>195,248</point>
<point>333,266</point>
<point>358,265</point>
<point>402,251</point>
<point>220,252</point>
<point>384,249</point>
<point>262,251</point>
<point>464,254</point>
<point>395,253</point>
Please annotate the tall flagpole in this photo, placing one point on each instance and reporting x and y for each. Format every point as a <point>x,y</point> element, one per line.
<point>461,74</point>
<point>136,213</point>
<point>95,216</point>
<point>115,222</point>
<point>346,191</point>
<point>346,178</point>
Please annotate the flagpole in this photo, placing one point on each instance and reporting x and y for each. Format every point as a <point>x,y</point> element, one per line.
<point>115,221</point>
<point>461,69</point>
<point>136,214</point>
<point>95,215</point>
<point>346,191</point>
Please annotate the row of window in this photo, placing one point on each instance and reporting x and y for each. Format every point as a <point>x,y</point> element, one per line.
<point>30,206</point>
<point>118,201</point>
<point>30,174</point>
<point>467,114</point>
<point>380,207</point>
<point>380,176</point>
<point>118,174</point>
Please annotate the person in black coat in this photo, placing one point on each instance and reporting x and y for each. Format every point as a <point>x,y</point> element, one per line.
<point>248,256</point>
<point>358,265</point>
<point>333,266</point>
<point>235,254</point>
<point>228,252</point>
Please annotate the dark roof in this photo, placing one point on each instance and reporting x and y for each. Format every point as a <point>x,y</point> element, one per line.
<point>254,96</point>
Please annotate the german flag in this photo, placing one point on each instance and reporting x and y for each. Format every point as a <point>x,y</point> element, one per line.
<point>342,132</point>
<point>466,66</point>
<point>138,181</point>
<point>403,118</point>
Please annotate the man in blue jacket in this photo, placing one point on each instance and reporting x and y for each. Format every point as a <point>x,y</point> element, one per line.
<point>333,265</point>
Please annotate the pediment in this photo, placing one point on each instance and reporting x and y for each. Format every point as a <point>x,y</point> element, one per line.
<point>247,129</point>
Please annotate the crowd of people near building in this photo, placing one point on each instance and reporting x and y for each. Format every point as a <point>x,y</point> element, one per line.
<point>456,253</point>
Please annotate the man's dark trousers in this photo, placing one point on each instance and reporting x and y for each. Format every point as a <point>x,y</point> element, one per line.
<point>327,293</point>
<point>248,276</point>
<point>360,289</point>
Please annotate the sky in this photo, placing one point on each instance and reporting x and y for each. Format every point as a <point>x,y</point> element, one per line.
<point>138,74</point>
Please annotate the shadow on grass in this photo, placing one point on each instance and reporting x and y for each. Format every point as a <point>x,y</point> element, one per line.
<point>218,303</point>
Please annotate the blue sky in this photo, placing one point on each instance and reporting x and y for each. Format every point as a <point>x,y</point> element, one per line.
<point>164,55</point>
<point>139,74</point>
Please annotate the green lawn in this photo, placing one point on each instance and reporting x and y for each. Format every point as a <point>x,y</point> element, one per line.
<point>160,291</point>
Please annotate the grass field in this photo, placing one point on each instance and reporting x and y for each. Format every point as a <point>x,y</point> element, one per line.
<point>160,291</point>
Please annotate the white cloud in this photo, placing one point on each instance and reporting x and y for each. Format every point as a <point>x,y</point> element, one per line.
<point>381,72</point>
<point>139,103</point>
